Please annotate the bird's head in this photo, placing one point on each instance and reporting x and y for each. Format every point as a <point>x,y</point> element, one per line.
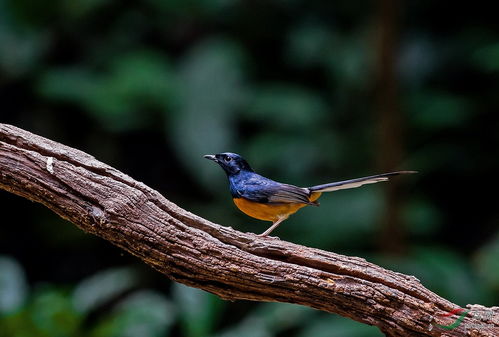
<point>232,163</point>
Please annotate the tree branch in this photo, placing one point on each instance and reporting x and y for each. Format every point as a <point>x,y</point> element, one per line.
<point>233,265</point>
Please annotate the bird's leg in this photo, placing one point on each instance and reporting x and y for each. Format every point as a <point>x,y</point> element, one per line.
<point>274,226</point>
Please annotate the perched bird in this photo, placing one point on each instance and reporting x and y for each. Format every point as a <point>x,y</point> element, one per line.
<point>269,200</point>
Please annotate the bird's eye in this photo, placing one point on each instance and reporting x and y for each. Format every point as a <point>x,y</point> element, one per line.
<point>227,159</point>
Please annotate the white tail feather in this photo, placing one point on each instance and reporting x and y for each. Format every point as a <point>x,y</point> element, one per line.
<point>350,185</point>
<point>353,183</point>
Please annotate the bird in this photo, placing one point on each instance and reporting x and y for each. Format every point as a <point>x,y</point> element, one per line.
<point>265,199</point>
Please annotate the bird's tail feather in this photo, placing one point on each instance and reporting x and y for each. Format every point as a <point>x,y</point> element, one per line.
<point>352,183</point>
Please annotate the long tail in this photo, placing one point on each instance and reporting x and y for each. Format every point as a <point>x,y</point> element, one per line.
<point>352,183</point>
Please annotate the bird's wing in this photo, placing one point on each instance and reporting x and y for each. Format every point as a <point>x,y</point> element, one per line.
<point>285,193</point>
<point>268,191</point>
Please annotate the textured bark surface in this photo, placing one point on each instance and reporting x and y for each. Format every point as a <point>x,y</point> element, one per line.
<point>186,248</point>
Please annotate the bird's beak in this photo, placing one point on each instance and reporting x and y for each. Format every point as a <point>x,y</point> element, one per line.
<point>211,157</point>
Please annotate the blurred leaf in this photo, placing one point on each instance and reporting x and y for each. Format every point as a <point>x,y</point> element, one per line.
<point>212,84</point>
<point>192,7</point>
<point>143,77</point>
<point>418,60</point>
<point>49,314</point>
<point>20,48</point>
<point>437,110</point>
<point>348,61</point>
<point>32,14</point>
<point>442,271</point>
<point>287,106</point>
<point>275,154</point>
<point>53,314</point>
<point>198,310</point>
<point>250,327</point>
<point>143,313</point>
<point>422,217</point>
<point>13,285</point>
<point>103,287</point>
<point>308,44</point>
<point>343,219</point>
<point>269,319</point>
<point>433,158</point>
<point>487,58</point>
<point>279,317</point>
<point>488,263</point>
<point>121,97</point>
<point>76,9</point>
<point>336,326</point>
<point>68,84</point>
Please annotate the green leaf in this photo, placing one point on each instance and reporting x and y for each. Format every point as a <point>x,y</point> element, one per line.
<point>13,285</point>
<point>52,313</point>
<point>249,327</point>
<point>77,9</point>
<point>443,271</point>
<point>348,61</point>
<point>487,263</point>
<point>335,326</point>
<point>487,58</point>
<point>144,313</point>
<point>103,287</point>
<point>20,48</point>
<point>269,319</point>
<point>123,95</point>
<point>198,310</point>
<point>286,106</point>
<point>192,8</point>
<point>308,44</point>
<point>348,217</point>
<point>276,154</point>
<point>212,85</point>
<point>438,110</point>
<point>422,217</point>
<point>279,317</point>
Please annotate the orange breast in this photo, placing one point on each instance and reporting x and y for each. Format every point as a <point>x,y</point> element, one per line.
<point>270,212</point>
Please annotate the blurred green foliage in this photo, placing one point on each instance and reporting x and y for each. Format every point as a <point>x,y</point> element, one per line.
<point>151,86</point>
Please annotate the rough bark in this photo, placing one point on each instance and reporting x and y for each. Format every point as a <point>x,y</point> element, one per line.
<point>233,265</point>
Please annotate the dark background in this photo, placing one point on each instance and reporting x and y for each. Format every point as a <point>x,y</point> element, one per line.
<point>308,92</point>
